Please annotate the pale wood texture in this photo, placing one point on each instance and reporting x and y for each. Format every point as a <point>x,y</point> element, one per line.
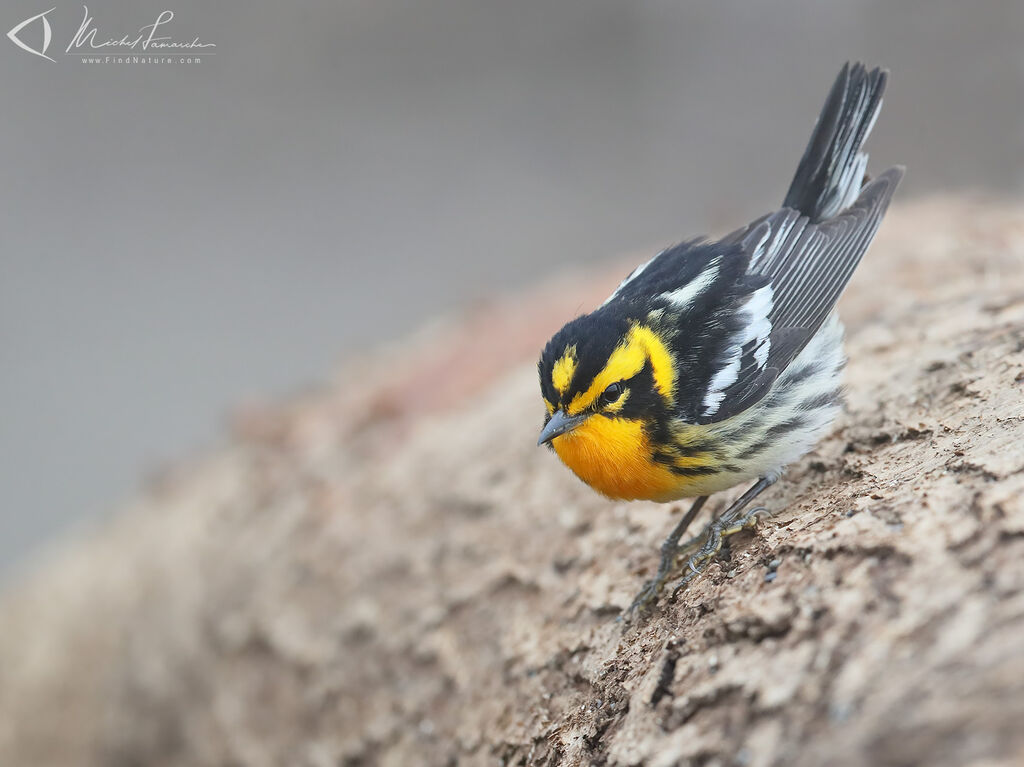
<point>389,571</point>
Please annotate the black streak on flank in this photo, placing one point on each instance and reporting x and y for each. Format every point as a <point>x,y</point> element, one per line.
<point>753,450</point>
<point>786,426</point>
<point>801,375</point>
<point>820,400</point>
<point>704,471</point>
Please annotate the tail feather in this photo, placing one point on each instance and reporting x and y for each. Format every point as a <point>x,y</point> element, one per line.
<point>831,171</point>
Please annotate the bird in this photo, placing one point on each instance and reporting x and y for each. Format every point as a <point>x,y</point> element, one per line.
<point>719,362</point>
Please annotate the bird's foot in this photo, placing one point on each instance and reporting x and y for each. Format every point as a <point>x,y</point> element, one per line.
<point>716,533</point>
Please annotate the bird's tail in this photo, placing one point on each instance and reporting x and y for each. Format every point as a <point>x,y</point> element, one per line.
<point>831,172</point>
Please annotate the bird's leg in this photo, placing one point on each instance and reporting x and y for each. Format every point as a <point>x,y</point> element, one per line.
<point>670,551</point>
<point>730,522</point>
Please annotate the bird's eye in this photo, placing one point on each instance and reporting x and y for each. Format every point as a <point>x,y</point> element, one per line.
<point>611,394</point>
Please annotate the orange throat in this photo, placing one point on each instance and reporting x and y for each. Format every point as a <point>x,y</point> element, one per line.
<point>613,456</point>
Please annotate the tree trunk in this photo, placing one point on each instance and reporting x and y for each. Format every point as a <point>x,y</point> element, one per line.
<point>389,571</point>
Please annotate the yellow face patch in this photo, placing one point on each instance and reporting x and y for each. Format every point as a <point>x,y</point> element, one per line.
<point>661,359</point>
<point>563,370</point>
<point>628,359</point>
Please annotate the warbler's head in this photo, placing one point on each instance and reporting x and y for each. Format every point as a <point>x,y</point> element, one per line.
<point>605,377</point>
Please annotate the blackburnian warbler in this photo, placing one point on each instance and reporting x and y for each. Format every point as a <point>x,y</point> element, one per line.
<point>717,363</point>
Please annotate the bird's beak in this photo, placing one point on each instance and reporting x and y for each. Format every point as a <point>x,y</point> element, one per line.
<point>560,423</point>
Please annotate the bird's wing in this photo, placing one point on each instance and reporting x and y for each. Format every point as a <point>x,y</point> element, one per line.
<point>672,268</point>
<point>804,268</point>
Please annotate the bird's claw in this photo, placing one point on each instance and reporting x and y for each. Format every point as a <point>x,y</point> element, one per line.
<point>717,532</point>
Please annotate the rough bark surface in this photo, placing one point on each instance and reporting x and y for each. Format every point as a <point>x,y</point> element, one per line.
<point>390,572</point>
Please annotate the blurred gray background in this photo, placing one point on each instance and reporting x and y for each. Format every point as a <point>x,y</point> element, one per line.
<point>177,239</point>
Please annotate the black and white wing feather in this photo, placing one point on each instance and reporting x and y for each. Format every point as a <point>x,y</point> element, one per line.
<point>807,267</point>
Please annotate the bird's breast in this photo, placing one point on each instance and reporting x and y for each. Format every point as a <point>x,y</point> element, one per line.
<point>614,456</point>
